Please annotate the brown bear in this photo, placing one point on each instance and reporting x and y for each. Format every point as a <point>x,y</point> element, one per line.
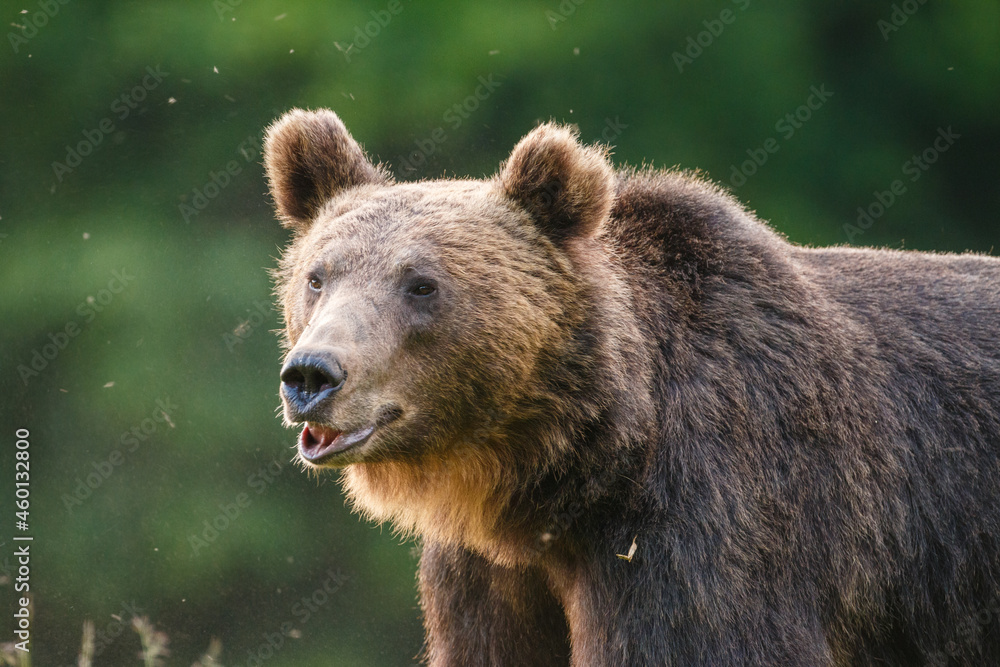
<point>632,424</point>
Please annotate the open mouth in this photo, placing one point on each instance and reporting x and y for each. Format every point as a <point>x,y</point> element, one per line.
<point>318,443</point>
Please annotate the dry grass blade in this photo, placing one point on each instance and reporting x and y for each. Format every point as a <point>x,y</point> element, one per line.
<point>154,642</point>
<point>211,656</point>
<point>86,657</point>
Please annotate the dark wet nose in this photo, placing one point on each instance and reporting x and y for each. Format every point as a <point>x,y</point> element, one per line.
<point>309,378</point>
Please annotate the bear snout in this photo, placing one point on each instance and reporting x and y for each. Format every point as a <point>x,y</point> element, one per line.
<point>308,379</point>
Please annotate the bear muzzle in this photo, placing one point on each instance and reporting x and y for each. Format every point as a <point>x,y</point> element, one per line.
<point>311,380</point>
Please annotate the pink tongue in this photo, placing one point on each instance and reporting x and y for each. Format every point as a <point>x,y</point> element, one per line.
<point>318,442</point>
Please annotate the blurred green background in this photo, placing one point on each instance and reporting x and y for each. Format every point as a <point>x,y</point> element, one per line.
<point>136,235</point>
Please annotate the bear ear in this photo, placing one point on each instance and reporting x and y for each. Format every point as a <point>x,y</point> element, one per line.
<point>566,187</point>
<point>309,157</point>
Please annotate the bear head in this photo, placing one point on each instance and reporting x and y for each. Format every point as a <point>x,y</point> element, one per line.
<point>437,331</point>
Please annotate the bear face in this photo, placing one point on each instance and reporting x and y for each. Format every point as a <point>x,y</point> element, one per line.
<point>435,322</point>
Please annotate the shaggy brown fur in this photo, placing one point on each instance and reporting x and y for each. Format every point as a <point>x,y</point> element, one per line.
<point>532,371</point>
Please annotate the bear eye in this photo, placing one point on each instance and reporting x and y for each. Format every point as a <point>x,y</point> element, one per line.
<point>315,284</point>
<point>423,289</point>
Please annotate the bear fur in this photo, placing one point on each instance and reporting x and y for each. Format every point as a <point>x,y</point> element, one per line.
<point>632,424</point>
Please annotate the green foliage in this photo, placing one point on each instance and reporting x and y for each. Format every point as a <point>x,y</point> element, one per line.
<point>154,248</point>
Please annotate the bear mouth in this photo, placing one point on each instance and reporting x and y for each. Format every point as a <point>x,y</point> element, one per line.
<point>318,443</point>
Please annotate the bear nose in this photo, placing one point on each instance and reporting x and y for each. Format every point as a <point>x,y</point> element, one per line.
<point>308,378</point>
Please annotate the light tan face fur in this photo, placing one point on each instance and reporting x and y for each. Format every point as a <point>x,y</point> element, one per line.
<point>446,361</point>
